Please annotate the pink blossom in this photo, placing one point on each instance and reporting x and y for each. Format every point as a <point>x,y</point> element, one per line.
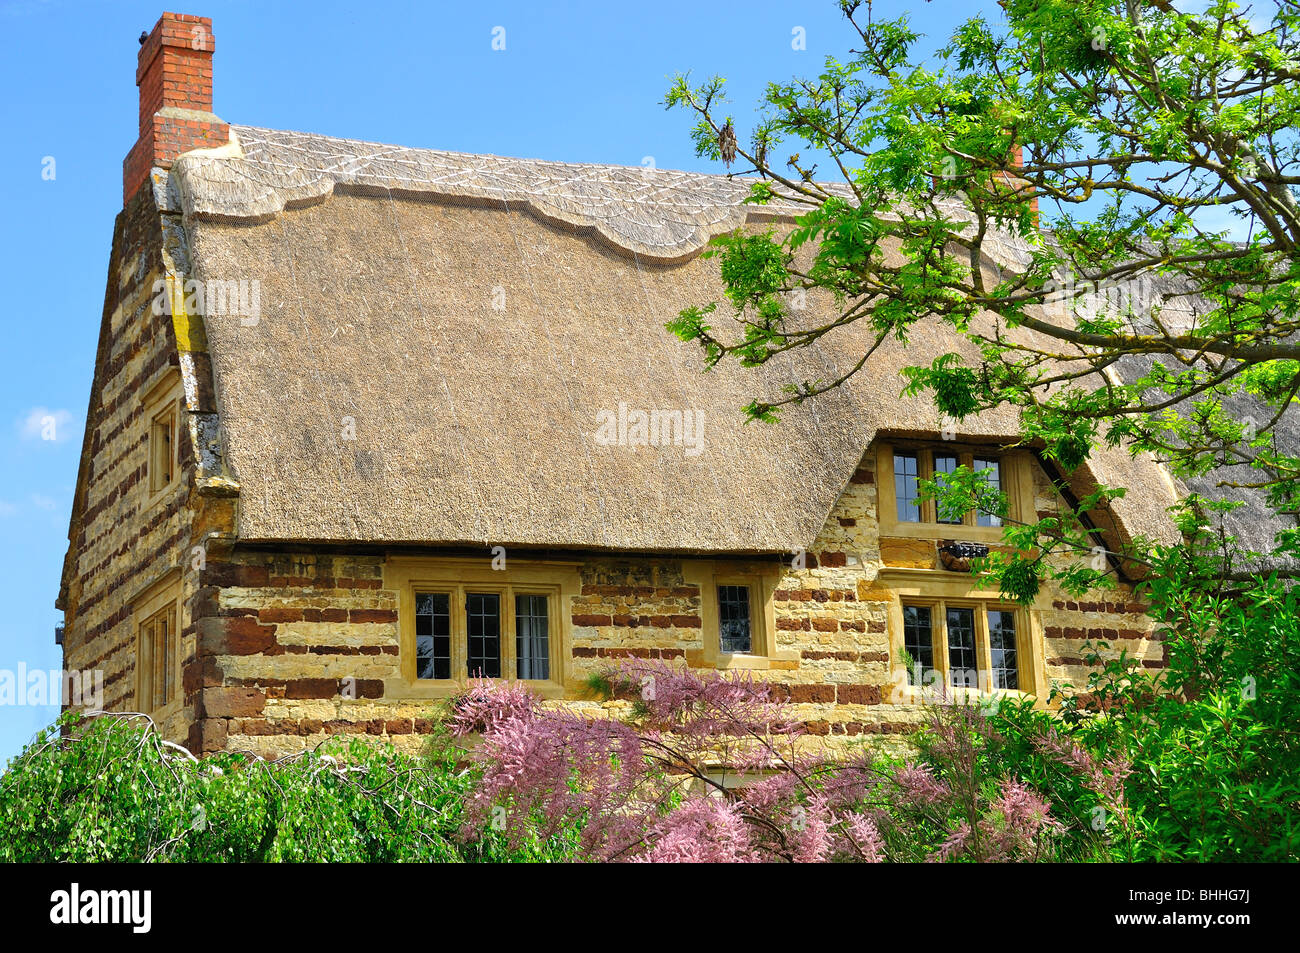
<point>864,837</point>
<point>954,845</point>
<point>1022,815</point>
<point>706,770</point>
<point>704,830</point>
<point>919,784</point>
<point>487,705</point>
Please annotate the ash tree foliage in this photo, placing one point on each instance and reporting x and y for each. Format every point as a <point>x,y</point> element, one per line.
<point>1101,198</point>
<point>1143,157</point>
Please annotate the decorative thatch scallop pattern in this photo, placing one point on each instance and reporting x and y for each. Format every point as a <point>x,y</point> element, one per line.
<point>659,215</point>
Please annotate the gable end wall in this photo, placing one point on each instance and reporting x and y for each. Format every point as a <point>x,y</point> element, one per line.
<point>118,545</point>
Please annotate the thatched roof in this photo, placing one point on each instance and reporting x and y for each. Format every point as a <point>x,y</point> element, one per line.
<point>1255,524</point>
<point>475,316</point>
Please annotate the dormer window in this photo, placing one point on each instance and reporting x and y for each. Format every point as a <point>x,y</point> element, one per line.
<point>905,466</point>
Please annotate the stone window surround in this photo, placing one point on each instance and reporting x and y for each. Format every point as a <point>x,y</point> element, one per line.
<point>560,582</point>
<point>162,397</point>
<point>157,596</point>
<point>762,579</point>
<point>919,587</point>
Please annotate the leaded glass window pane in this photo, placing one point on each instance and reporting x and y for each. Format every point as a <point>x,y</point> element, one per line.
<point>918,640</point>
<point>432,635</point>
<point>944,463</point>
<point>1002,649</point>
<point>962,671</point>
<point>906,492</point>
<point>483,634</point>
<point>162,660</point>
<point>995,481</point>
<point>733,619</point>
<point>532,637</point>
<point>169,655</point>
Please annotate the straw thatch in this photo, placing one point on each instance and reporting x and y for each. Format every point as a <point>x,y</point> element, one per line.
<point>474,316</point>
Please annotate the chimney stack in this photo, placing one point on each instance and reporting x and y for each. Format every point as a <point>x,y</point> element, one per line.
<point>175,80</point>
<point>1018,159</point>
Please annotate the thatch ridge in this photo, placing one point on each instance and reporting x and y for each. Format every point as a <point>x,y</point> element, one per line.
<point>661,215</point>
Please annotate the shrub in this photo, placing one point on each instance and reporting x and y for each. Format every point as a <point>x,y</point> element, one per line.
<point>110,789</point>
<point>708,768</point>
<point>1197,761</point>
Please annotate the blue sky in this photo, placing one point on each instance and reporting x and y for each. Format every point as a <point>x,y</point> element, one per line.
<point>576,82</point>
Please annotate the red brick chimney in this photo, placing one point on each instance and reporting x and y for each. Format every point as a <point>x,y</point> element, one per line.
<point>175,80</point>
<point>1018,159</point>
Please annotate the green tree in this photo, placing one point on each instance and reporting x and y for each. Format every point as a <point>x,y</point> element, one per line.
<point>1110,188</point>
<point>1122,151</point>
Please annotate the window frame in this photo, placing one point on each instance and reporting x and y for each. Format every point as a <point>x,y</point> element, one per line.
<point>761,578</point>
<point>163,422</point>
<point>163,399</point>
<point>913,587</point>
<point>1013,473</point>
<point>752,621</point>
<point>558,582</point>
<point>551,616</point>
<point>158,599</point>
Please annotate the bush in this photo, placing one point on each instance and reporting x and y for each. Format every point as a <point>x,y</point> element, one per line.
<point>1198,761</point>
<point>109,789</point>
<point>707,768</point>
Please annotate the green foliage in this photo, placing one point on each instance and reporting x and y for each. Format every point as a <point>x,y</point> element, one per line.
<point>952,384</point>
<point>108,789</point>
<point>1203,755</point>
<point>1136,129</point>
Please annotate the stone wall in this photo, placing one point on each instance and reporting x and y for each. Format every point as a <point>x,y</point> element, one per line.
<point>295,647</point>
<point>1114,617</point>
<point>120,540</point>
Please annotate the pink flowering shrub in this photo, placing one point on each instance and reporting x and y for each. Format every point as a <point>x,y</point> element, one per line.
<point>702,830</point>
<point>489,705</point>
<point>1085,789</point>
<point>707,768</point>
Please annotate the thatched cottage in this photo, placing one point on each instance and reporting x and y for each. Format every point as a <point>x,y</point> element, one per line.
<point>367,419</point>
